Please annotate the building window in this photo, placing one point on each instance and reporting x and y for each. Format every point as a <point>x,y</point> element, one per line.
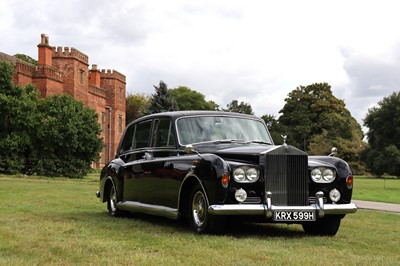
<point>121,94</point>
<point>120,124</point>
<point>82,75</point>
<point>103,121</point>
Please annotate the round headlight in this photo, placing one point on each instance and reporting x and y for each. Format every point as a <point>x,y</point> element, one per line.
<point>316,175</point>
<point>239,175</point>
<point>252,174</point>
<point>328,175</point>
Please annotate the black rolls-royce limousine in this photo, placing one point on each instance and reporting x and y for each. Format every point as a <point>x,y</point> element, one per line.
<point>211,166</point>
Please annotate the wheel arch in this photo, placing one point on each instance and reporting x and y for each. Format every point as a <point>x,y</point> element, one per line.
<point>188,184</point>
<point>107,185</point>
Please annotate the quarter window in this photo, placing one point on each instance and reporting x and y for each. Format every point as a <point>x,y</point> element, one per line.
<point>163,135</point>
<point>142,133</point>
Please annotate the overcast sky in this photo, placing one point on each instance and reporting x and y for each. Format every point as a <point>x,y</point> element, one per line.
<point>255,51</point>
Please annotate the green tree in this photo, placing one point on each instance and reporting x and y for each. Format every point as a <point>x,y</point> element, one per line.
<point>188,99</point>
<point>383,122</point>
<point>19,120</point>
<point>56,136</point>
<point>136,104</point>
<point>162,100</point>
<point>235,107</point>
<point>315,120</point>
<point>311,109</point>
<point>67,140</point>
<point>27,58</point>
<point>274,128</point>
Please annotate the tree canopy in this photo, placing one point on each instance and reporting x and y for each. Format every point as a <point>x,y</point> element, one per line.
<point>27,58</point>
<point>56,136</point>
<point>161,100</point>
<point>315,120</point>
<point>188,99</point>
<point>383,122</point>
<point>67,139</point>
<point>235,107</point>
<point>136,105</point>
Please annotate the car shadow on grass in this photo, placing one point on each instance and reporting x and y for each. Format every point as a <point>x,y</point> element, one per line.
<point>233,228</point>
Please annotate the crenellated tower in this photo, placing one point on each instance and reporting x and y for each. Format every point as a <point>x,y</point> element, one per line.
<point>66,70</point>
<point>74,65</point>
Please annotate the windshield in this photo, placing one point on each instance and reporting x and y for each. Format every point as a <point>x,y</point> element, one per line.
<point>217,128</point>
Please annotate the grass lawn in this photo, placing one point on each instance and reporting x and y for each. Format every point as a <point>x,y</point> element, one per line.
<point>61,222</point>
<point>377,189</point>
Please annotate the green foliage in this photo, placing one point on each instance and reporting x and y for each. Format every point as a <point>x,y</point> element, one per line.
<point>188,99</point>
<point>67,140</point>
<point>26,58</point>
<point>383,122</point>
<point>235,107</point>
<point>19,112</point>
<point>56,136</point>
<point>162,101</point>
<point>315,120</point>
<point>274,128</point>
<point>136,104</point>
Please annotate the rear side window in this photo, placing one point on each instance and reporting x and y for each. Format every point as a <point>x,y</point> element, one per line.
<point>142,135</point>
<point>163,135</point>
<point>128,138</point>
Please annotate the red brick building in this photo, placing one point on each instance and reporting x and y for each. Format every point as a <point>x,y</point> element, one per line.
<point>66,70</point>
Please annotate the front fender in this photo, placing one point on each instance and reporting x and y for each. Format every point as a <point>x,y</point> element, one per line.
<point>343,172</point>
<point>210,170</point>
<point>109,176</point>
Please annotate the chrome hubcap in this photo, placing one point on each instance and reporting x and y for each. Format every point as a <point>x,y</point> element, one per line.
<point>199,209</point>
<point>113,199</point>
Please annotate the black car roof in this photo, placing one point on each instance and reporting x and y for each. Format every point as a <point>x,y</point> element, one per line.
<point>177,114</point>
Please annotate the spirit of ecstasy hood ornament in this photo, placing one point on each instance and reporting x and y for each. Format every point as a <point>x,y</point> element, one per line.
<point>284,139</point>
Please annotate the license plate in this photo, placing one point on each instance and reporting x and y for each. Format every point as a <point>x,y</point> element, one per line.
<point>294,216</point>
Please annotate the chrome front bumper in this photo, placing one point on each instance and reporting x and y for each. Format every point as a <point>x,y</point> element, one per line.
<point>268,209</point>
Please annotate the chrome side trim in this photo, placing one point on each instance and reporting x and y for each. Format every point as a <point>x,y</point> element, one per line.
<point>134,206</point>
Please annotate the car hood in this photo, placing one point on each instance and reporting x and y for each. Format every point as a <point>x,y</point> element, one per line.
<point>233,148</point>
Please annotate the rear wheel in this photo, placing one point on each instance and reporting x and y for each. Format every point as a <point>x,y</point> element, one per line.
<point>200,220</point>
<point>112,202</point>
<point>327,226</point>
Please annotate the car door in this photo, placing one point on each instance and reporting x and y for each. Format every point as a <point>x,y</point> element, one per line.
<point>138,184</point>
<point>165,154</point>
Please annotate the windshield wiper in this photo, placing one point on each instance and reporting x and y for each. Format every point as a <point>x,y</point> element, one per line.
<point>259,142</point>
<point>229,141</point>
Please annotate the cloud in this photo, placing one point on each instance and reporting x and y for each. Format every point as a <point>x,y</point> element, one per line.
<point>256,51</point>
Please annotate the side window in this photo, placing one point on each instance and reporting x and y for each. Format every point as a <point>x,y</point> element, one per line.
<point>142,134</point>
<point>163,135</point>
<point>128,138</point>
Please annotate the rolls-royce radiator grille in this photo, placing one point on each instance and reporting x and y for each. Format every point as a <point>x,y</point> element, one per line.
<point>287,179</point>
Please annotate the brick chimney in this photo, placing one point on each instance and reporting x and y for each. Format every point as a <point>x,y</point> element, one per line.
<point>94,78</point>
<point>45,57</point>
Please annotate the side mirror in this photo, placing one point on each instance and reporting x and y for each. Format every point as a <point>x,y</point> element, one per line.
<point>189,149</point>
<point>333,151</point>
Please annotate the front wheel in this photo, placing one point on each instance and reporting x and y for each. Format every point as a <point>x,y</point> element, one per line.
<point>200,220</point>
<point>112,202</point>
<point>327,226</point>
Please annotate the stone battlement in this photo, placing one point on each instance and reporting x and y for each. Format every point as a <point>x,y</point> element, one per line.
<point>48,72</point>
<point>97,91</point>
<point>70,52</point>
<point>112,74</point>
<point>24,68</point>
